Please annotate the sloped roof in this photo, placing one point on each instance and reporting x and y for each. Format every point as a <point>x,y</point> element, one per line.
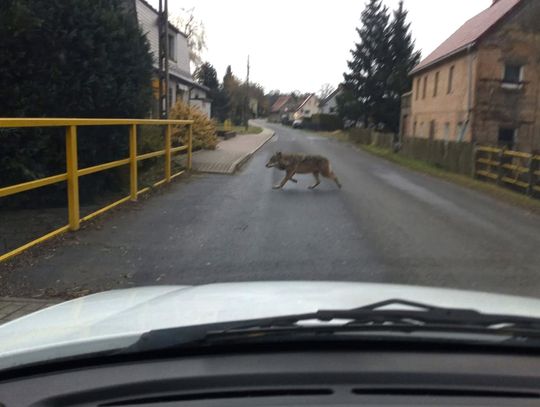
<point>155,10</point>
<point>280,103</point>
<point>330,96</point>
<point>305,101</point>
<point>469,33</point>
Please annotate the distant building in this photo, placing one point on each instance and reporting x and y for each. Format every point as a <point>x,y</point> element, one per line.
<point>329,104</point>
<point>483,83</point>
<point>283,109</point>
<point>307,107</point>
<point>182,86</point>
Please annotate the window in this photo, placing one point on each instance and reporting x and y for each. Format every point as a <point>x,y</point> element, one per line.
<point>447,132</point>
<point>513,74</point>
<point>332,109</point>
<point>421,129</point>
<point>172,47</point>
<point>450,79</point>
<point>417,88</point>
<point>436,85</point>
<point>507,137</point>
<point>459,131</point>
<point>425,87</point>
<point>432,129</point>
<point>414,129</point>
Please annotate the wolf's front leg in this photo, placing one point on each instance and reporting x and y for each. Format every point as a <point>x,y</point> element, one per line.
<point>287,177</point>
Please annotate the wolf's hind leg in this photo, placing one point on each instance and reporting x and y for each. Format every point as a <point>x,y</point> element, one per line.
<point>317,181</point>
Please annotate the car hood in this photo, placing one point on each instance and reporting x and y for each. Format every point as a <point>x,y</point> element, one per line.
<point>116,319</point>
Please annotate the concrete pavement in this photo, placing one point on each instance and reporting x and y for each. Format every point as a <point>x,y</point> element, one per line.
<point>230,154</point>
<point>387,224</point>
<point>13,307</point>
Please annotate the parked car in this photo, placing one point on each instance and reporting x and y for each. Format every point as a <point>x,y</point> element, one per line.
<point>298,124</point>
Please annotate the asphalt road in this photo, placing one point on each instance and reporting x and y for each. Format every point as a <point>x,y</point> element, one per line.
<point>387,224</point>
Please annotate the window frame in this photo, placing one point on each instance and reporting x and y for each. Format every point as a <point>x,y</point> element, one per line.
<point>451,73</point>
<point>436,84</point>
<point>511,84</point>
<point>514,130</point>
<point>459,129</point>
<point>172,46</point>
<point>424,88</point>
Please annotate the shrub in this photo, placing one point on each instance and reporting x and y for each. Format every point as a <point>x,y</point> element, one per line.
<point>69,58</point>
<point>327,122</point>
<point>204,129</point>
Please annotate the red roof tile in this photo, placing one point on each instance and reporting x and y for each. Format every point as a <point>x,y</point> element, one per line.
<point>469,32</point>
<point>280,103</point>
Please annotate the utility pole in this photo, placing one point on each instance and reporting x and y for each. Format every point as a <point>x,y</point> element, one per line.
<point>247,109</point>
<point>163,27</point>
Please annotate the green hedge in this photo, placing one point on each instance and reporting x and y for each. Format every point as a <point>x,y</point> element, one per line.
<point>323,122</point>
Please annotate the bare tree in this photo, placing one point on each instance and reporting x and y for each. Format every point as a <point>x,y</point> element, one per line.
<point>187,22</point>
<point>325,91</point>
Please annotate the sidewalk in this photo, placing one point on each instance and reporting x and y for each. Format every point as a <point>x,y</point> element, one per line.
<point>13,308</point>
<point>230,154</point>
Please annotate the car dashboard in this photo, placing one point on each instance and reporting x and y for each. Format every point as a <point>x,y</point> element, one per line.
<point>287,378</point>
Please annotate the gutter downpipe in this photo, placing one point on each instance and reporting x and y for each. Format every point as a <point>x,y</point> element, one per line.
<point>469,95</point>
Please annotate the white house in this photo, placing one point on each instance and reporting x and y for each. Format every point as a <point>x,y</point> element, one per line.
<point>329,104</point>
<point>182,86</point>
<point>307,108</point>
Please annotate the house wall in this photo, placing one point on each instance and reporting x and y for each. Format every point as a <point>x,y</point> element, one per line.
<point>447,110</point>
<point>148,20</point>
<point>180,79</point>
<point>198,99</point>
<point>330,107</point>
<point>309,109</point>
<point>517,41</point>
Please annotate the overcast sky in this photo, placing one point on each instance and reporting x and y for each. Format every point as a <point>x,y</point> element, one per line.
<point>302,44</point>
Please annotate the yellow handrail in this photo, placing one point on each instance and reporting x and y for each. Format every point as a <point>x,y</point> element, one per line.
<point>73,172</point>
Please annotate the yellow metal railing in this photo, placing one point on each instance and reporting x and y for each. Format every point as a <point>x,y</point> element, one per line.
<point>507,167</point>
<point>73,172</point>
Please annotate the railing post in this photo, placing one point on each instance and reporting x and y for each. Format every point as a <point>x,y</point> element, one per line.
<point>532,175</point>
<point>475,153</point>
<point>168,153</point>
<point>190,146</point>
<point>72,178</point>
<point>133,181</point>
<point>500,158</point>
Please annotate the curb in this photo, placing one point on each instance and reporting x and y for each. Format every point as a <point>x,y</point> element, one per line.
<point>237,165</point>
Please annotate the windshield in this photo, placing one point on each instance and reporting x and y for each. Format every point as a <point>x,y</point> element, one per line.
<point>175,163</point>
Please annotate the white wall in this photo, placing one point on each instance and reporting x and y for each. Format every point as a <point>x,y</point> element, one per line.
<point>330,107</point>
<point>148,20</point>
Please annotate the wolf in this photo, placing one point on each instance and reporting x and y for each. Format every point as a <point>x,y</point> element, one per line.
<point>301,164</point>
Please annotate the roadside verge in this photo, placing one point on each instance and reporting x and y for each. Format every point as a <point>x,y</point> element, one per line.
<point>502,194</point>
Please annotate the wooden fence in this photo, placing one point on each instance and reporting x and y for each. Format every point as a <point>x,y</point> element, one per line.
<point>514,169</point>
<point>517,170</point>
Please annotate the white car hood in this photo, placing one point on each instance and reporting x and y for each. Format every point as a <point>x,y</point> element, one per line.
<point>118,318</point>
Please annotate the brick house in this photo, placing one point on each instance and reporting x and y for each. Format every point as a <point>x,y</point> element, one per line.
<point>182,86</point>
<point>482,84</point>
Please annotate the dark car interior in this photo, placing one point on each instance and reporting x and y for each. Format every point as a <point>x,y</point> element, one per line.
<point>294,377</point>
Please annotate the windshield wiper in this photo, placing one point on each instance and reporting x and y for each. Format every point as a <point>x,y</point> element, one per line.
<point>393,315</point>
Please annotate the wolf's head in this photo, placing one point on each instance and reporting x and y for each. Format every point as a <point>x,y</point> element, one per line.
<point>274,160</point>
